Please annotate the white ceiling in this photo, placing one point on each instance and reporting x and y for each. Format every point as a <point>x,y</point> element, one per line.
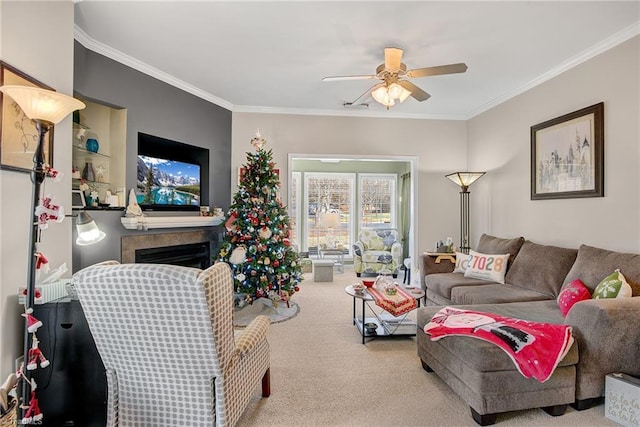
<point>271,56</point>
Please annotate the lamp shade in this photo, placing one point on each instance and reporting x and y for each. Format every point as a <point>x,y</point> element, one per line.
<point>42,104</point>
<point>464,179</point>
<point>88,231</point>
<point>330,219</point>
<point>380,94</point>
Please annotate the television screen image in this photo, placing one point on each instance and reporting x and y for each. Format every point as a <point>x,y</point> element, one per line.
<point>165,183</point>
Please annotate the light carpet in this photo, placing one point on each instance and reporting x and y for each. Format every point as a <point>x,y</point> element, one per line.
<point>321,375</point>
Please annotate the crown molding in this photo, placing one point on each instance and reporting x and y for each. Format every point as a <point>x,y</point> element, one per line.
<point>85,40</point>
<point>608,43</point>
<point>347,113</point>
<point>595,50</point>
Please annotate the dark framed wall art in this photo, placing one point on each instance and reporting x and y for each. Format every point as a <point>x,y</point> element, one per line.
<point>18,134</point>
<point>567,155</point>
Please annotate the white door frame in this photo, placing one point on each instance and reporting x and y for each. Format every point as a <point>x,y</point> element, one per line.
<point>413,205</point>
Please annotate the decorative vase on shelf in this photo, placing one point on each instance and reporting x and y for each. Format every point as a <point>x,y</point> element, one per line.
<point>88,173</point>
<point>92,145</point>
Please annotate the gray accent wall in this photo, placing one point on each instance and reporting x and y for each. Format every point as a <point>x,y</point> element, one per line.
<point>156,108</point>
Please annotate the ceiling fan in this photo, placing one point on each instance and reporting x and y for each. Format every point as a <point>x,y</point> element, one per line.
<point>393,74</point>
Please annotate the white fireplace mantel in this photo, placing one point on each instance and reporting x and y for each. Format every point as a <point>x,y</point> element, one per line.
<point>149,222</point>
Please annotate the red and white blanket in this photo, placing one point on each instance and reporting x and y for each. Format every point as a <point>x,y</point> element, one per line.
<point>535,348</point>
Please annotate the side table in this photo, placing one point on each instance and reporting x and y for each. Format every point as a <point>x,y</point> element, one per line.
<point>72,391</point>
<point>388,325</point>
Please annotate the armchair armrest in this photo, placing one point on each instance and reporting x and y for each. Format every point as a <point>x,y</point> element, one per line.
<point>396,251</point>
<point>252,335</point>
<point>608,341</point>
<point>358,248</point>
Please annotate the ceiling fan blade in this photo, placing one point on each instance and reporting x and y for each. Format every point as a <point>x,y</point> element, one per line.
<point>392,58</point>
<point>336,78</point>
<point>436,71</point>
<point>366,94</point>
<point>416,92</point>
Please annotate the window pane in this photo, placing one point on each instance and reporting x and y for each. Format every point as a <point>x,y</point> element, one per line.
<point>294,208</point>
<point>377,201</point>
<point>329,206</point>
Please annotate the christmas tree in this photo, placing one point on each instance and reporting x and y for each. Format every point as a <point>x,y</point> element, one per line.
<point>256,243</point>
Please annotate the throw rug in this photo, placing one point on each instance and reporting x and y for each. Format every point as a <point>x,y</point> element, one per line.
<point>535,348</point>
<point>263,306</point>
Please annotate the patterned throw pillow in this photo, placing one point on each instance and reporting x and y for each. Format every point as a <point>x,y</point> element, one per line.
<point>487,267</point>
<point>462,262</point>
<point>613,286</point>
<point>574,292</point>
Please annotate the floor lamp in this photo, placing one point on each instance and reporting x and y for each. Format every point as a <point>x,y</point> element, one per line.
<point>464,180</point>
<point>45,108</point>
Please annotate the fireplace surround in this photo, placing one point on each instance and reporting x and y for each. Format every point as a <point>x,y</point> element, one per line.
<point>167,242</point>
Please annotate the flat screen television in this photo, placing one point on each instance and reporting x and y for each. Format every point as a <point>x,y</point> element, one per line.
<point>179,175</point>
<point>167,183</point>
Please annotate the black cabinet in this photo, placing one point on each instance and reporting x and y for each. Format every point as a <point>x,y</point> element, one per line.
<point>72,390</point>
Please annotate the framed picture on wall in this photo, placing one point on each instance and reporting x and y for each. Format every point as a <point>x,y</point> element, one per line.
<point>567,155</point>
<point>18,134</point>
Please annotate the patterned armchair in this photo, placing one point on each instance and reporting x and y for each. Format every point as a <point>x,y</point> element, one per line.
<point>165,335</point>
<point>377,249</point>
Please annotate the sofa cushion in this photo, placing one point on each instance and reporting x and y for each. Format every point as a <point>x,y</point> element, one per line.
<point>442,283</point>
<point>541,268</point>
<point>436,299</point>
<point>613,286</point>
<point>494,293</point>
<point>593,264</point>
<point>487,266</point>
<point>575,292</point>
<point>462,262</point>
<point>496,245</point>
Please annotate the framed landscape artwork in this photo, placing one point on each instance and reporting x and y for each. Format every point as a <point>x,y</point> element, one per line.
<point>567,155</point>
<point>18,135</point>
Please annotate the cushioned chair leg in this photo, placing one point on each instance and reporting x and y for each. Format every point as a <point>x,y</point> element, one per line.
<point>425,366</point>
<point>484,419</point>
<point>266,383</point>
<point>581,405</point>
<point>555,410</point>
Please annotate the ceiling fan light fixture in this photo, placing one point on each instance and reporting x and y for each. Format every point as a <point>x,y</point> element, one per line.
<point>395,90</point>
<point>380,94</point>
<point>404,95</point>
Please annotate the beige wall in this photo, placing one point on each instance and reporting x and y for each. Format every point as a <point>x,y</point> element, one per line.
<point>499,142</point>
<point>36,38</point>
<point>439,145</point>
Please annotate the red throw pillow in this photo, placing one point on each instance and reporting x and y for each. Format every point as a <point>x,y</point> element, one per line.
<point>575,292</point>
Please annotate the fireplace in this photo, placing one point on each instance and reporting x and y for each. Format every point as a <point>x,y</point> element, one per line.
<point>191,249</point>
<point>196,255</point>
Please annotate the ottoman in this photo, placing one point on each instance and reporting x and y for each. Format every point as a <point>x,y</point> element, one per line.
<point>487,379</point>
<point>323,270</point>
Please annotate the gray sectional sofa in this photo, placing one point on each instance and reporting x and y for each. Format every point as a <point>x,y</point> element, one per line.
<point>606,332</point>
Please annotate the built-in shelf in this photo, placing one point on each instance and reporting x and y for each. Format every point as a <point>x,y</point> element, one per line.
<point>171,221</point>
